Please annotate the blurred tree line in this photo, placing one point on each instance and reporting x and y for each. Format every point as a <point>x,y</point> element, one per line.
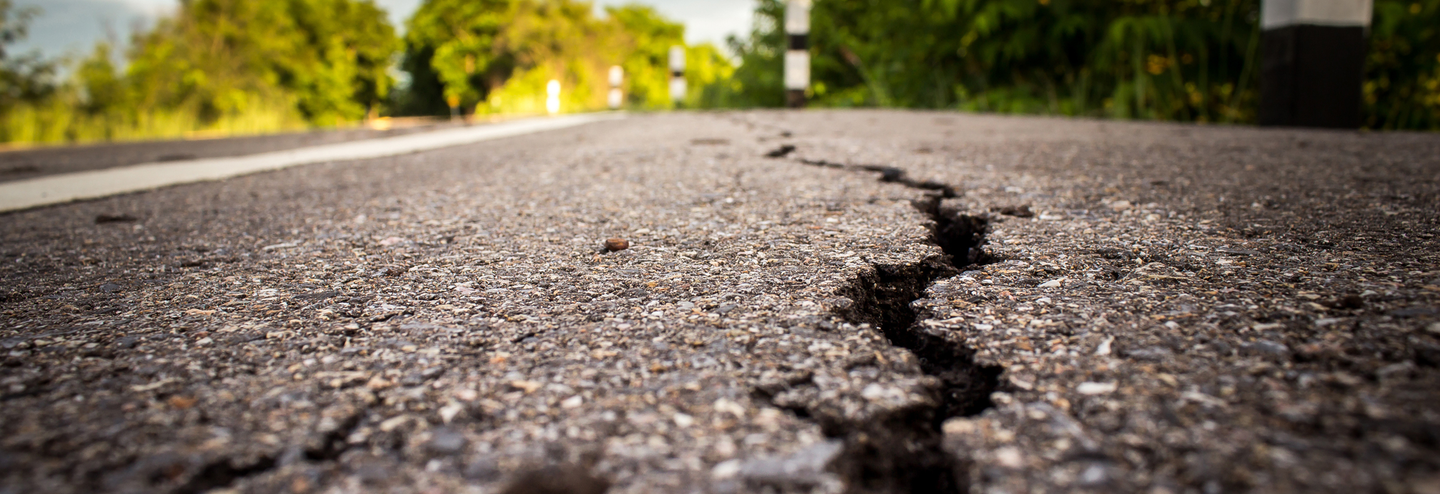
<point>225,67</point>
<point>249,66</point>
<point>216,66</point>
<point>496,56</point>
<point>1402,72</point>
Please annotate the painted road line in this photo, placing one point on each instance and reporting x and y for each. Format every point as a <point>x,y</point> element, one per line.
<point>56,189</point>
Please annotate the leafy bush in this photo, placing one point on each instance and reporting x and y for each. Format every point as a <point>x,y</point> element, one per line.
<point>1402,72</point>
<point>1185,60</point>
<point>496,56</point>
<point>217,67</point>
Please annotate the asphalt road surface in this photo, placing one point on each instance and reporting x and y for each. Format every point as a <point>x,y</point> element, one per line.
<point>859,301</point>
<point>93,184</point>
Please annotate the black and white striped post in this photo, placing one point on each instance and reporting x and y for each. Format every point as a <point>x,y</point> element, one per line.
<point>616,96</point>
<point>1313,62</point>
<point>677,75</point>
<point>797,52</point>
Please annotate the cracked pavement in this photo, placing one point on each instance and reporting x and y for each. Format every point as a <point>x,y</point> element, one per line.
<point>1144,308</point>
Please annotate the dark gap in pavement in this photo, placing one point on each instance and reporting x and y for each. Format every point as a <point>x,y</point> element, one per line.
<point>223,473</point>
<point>888,174</point>
<point>114,218</point>
<point>781,151</point>
<point>961,236</point>
<point>18,169</point>
<point>902,451</point>
<point>558,479</point>
<point>336,442</point>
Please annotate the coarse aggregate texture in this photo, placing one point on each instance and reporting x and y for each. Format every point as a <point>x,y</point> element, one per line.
<point>23,164</point>
<point>1182,308</point>
<point>1152,307</point>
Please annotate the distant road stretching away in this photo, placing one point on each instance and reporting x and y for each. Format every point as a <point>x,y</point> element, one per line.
<point>68,187</point>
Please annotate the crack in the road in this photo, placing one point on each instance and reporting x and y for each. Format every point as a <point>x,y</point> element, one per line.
<point>223,472</point>
<point>902,451</point>
<point>888,174</point>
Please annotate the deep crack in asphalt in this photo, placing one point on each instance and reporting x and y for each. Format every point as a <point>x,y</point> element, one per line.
<point>902,451</point>
<point>224,472</point>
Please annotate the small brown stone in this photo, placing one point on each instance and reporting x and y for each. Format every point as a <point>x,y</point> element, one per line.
<point>616,244</point>
<point>182,402</point>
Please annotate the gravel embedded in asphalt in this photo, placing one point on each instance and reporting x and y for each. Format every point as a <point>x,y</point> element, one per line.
<point>1150,307</point>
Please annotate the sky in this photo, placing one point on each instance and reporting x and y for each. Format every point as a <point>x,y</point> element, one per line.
<point>72,27</point>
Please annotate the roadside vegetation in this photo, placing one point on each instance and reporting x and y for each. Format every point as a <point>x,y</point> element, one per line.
<point>228,67</point>
<point>496,57</point>
<point>1179,60</point>
<point>217,67</point>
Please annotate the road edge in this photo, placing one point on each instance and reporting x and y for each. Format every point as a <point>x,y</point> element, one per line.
<point>58,189</point>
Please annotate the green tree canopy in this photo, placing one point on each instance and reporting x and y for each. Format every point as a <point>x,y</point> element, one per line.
<point>498,55</point>
<point>224,66</point>
<point>648,37</point>
<point>326,59</point>
<point>1402,71</point>
<point>758,81</point>
<point>25,77</point>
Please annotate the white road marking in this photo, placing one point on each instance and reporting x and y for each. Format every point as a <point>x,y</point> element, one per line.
<point>55,189</point>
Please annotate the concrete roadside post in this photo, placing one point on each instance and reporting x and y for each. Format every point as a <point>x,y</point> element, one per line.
<point>616,97</point>
<point>552,97</point>
<point>1313,62</point>
<point>677,75</point>
<point>797,52</point>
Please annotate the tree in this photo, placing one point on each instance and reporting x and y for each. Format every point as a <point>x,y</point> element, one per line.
<point>710,77</point>
<point>353,46</point>
<point>1188,60</point>
<point>1402,71</point>
<point>1162,59</point>
<point>497,56</point>
<point>556,40</point>
<point>322,60</point>
<point>24,78</point>
<point>452,45</point>
<point>759,80</point>
<point>648,38</point>
<point>222,66</point>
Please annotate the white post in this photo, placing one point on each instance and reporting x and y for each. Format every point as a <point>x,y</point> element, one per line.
<point>677,74</point>
<point>617,76</point>
<point>1312,62</point>
<point>797,52</point>
<point>552,97</point>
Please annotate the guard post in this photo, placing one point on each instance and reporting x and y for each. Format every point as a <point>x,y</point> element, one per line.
<point>797,52</point>
<point>1313,62</point>
<point>616,96</point>
<point>677,75</point>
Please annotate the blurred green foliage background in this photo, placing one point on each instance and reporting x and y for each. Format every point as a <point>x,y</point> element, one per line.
<point>226,67</point>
